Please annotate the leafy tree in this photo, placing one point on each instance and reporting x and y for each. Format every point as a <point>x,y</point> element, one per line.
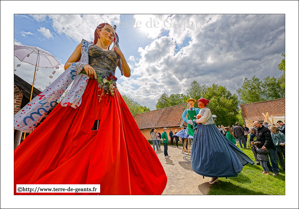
<point>134,107</point>
<point>163,101</point>
<point>175,99</point>
<point>240,118</point>
<point>281,67</point>
<point>251,91</point>
<point>272,89</point>
<point>222,104</point>
<point>196,91</point>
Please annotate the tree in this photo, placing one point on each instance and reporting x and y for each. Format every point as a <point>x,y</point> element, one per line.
<point>134,107</point>
<point>272,89</point>
<point>162,101</point>
<point>251,91</point>
<point>196,91</point>
<point>222,104</point>
<point>175,99</point>
<point>240,118</point>
<point>281,67</point>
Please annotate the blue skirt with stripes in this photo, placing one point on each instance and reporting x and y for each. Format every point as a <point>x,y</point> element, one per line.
<point>213,155</point>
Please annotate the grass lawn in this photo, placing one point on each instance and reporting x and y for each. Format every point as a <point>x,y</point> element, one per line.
<point>250,181</point>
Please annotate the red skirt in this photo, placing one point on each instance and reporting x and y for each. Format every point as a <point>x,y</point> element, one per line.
<point>64,150</point>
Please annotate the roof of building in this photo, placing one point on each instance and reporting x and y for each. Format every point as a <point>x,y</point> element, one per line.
<point>25,87</point>
<point>165,117</point>
<point>253,111</point>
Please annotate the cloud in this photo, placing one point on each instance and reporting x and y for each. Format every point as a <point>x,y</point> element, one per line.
<point>46,32</point>
<point>221,49</point>
<point>152,25</point>
<point>131,58</point>
<point>24,34</point>
<point>17,42</point>
<point>77,27</point>
<point>39,18</point>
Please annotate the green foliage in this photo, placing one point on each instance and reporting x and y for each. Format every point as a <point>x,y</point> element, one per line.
<point>163,101</point>
<point>251,91</point>
<point>255,90</point>
<point>250,181</point>
<point>270,88</point>
<point>175,99</point>
<point>222,104</point>
<point>240,118</point>
<point>196,91</point>
<point>168,101</point>
<point>134,107</point>
<point>281,67</point>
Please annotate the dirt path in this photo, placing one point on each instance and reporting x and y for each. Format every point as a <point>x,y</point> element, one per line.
<point>182,180</point>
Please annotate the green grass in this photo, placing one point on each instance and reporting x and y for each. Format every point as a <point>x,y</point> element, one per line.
<point>250,181</point>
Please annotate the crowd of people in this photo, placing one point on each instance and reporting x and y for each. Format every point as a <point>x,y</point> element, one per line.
<point>267,141</point>
<point>157,137</point>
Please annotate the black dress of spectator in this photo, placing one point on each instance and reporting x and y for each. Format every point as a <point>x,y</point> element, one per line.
<point>171,137</point>
<point>176,139</point>
<point>282,127</point>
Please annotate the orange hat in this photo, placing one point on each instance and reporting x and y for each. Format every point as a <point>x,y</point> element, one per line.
<point>203,100</point>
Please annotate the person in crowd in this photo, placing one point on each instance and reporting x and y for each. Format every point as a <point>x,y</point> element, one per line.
<point>152,130</point>
<point>250,138</point>
<point>233,126</point>
<point>229,135</point>
<point>278,139</point>
<point>246,131</point>
<point>262,156</point>
<point>154,139</point>
<point>212,153</point>
<point>176,138</point>
<point>159,139</point>
<point>265,124</point>
<point>171,137</point>
<point>165,142</point>
<point>263,135</point>
<point>239,134</point>
<point>223,131</point>
<point>282,126</point>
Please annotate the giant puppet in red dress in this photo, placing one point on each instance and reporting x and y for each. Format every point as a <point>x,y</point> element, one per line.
<point>64,149</point>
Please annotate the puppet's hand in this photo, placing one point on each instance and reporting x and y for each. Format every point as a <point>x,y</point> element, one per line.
<point>118,51</point>
<point>190,122</point>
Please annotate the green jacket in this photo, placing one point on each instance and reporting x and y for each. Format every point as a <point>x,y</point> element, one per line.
<point>164,138</point>
<point>230,137</point>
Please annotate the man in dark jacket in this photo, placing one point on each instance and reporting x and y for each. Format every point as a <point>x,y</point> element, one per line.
<point>282,127</point>
<point>239,134</point>
<point>263,135</point>
<point>171,137</point>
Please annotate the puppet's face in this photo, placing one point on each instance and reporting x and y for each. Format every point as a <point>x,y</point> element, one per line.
<point>107,33</point>
<point>191,103</point>
<point>200,104</point>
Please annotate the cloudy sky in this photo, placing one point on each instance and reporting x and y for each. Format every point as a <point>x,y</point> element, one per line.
<point>165,52</point>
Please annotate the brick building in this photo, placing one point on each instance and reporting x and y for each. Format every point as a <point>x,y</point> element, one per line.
<point>253,111</point>
<point>22,91</point>
<point>169,117</point>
